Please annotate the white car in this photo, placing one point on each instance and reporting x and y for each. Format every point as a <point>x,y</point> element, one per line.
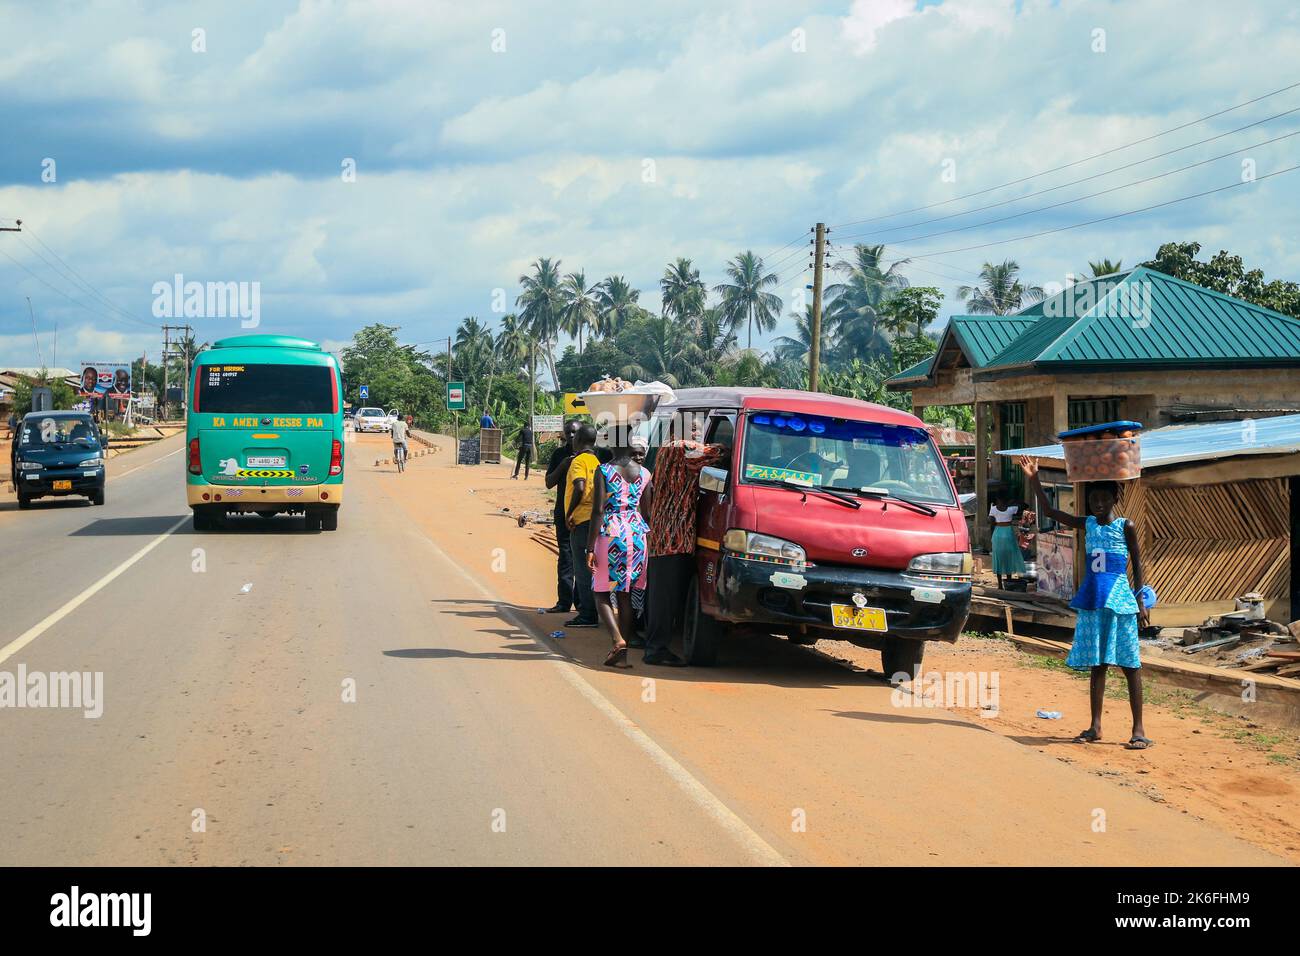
<point>372,420</point>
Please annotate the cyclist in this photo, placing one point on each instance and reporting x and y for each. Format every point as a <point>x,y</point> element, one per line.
<point>401,429</point>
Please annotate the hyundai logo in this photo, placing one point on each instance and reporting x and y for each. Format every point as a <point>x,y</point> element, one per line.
<point>859,552</point>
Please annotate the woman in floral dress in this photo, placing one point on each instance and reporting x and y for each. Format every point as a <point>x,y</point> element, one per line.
<point>616,550</point>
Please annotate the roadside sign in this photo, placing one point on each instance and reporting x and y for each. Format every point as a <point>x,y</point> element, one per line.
<point>547,423</point>
<point>455,396</point>
<point>573,405</point>
<point>365,392</point>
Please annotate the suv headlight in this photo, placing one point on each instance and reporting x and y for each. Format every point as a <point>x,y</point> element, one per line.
<point>763,547</point>
<point>943,562</point>
<point>92,463</point>
<point>30,466</point>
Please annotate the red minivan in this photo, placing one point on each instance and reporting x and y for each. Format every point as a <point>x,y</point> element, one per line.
<point>831,518</point>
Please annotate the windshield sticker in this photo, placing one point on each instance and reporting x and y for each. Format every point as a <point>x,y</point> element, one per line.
<point>772,473</point>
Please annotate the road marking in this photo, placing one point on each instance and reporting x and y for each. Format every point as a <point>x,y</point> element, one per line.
<point>759,849</point>
<point>36,630</point>
<point>148,463</point>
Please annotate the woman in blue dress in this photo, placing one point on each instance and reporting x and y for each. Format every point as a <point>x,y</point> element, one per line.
<point>1109,609</point>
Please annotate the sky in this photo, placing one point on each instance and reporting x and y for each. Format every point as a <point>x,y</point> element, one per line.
<point>404,163</point>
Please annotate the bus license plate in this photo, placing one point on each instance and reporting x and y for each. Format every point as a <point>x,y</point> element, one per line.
<point>266,461</point>
<point>858,618</point>
<point>63,486</point>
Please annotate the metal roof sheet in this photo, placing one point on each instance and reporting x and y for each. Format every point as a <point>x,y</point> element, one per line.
<point>1205,441</point>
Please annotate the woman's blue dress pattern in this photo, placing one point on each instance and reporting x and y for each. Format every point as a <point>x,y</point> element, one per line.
<point>1106,631</point>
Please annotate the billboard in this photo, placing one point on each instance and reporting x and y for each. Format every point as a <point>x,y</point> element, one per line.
<point>105,378</point>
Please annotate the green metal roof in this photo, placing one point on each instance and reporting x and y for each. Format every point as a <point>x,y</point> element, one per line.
<point>1146,318</point>
<point>980,337</point>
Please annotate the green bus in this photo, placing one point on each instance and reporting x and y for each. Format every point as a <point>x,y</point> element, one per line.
<point>265,431</point>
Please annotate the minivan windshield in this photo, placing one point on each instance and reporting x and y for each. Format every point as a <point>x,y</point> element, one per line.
<point>58,430</point>
<point>824,452</point>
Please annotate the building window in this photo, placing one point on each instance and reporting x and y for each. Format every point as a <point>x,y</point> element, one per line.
<point>1094,411</point>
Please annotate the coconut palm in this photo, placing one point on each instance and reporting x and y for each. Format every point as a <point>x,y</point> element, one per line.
<point>856,309</point>
<point>1105,267</point>
<point>799,345</point>
<point>682,291</point>
<point>744,299</point>
<point>581,310</point>
<point>616,302</point>
<point>513,343</point>
<point>660,350</point>
<point>542,305</point>
<point>1000,291</point>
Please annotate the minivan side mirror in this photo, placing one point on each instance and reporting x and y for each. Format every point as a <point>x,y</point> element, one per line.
<point>713,479</point>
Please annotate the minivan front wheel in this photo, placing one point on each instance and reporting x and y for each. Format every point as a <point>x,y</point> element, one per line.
<point>902,656</point>
<point>702,633</point>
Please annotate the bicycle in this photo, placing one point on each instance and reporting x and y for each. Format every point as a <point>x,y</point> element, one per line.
<point>399,456</point>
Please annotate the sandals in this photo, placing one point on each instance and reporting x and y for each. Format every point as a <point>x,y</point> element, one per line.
<point>1138,742</point>
<point>617,657</point>
<point>1088,736</point>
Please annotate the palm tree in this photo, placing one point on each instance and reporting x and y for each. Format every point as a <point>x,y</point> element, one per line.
<point>581,309</point>
<point>475,349</point>
<point>542,302</point>
<point>660,351</point>
<point>682,291</point>
<point>616,301</point>
<point>857,303</point>
<point>1000,291</point>
<point>1105,267</point>
<point>744,300</point>
<point>513,342</point>
<point>707,345</point>
<point>798,346</point>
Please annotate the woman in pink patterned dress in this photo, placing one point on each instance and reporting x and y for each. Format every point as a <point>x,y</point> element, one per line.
<point>616,550</point>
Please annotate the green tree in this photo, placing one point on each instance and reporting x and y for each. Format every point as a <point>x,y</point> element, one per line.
<point>542,305</point>
<point>799,345</point>
<point>1104,267</point>
<point>745,300</point>
<point>398,375</point>
<point>856,303</point>
<point>581,311</point>
<point>681,290</point>
<point>616,301</point>
<point>62,394</point>
<point>911,311</point>
<point>1000,291</point>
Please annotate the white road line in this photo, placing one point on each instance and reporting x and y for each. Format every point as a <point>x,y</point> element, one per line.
<point>36,630</point>
<point>148,463</point>
<point>759,849</point>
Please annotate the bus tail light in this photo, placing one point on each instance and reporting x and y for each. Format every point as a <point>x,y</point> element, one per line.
<point>334,392</point>
<point>194,405</point>
<point>336,457</point>
<point>196,466</point>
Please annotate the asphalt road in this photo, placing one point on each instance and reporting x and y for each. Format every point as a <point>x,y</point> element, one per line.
<point>368,701</point>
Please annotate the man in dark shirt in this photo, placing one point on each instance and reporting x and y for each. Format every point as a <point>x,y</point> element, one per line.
<point>525,452</point>
<point>556,470</point>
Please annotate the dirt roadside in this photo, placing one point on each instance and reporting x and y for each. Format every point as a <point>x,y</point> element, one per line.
<point>1236,777</point>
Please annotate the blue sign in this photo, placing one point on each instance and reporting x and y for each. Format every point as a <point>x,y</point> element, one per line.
<point>365,392</point>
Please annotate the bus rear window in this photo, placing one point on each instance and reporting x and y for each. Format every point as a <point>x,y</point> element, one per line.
<point>259,389</point>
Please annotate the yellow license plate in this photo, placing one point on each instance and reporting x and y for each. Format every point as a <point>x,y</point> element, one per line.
<point>858,618</point>
<point>63,486</point>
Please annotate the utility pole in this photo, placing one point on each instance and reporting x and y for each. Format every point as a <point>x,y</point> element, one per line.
<point>167,347</point>
<point>168,354</point>
<point>815,346</point>
<point>35,337</point>
<point>455,415</point>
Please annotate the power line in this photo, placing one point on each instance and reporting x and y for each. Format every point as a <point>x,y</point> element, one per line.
<point>75,302</point>
<point>1119,215</point>
<point>76,277</point>
<point>1067,202</point>
<point>1077,162</point>
<point>1075,182</point>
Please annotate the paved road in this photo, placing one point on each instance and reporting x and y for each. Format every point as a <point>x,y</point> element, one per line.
<point>468,741</point>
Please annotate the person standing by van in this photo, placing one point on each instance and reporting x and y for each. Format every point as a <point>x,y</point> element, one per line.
<point>557,470</point>
<point>1007,559</point>
<point>580,483</point>
<point>616,548</point>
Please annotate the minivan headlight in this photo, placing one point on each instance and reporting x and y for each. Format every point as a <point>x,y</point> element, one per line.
<point>763,547</point>
<point>91,463</point>
<point>943,562</point>
<point>30,466</point>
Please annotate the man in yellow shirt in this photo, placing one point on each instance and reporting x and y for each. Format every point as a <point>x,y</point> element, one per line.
<point>580,483</point>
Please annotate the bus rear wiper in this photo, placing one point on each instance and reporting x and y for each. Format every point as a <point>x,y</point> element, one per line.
<point>882,493</point>
<point>818,489</point>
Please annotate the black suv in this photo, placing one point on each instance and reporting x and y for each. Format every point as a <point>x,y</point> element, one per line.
<point>58,453</point>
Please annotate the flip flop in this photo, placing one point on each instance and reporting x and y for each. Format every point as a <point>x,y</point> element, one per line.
<point>618,657</point>
<point>1088,736</point>
<point>1139,743</point>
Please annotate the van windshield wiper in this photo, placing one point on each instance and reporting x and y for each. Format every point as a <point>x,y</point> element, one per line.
<point>911,502</point>
<point>817,489</point>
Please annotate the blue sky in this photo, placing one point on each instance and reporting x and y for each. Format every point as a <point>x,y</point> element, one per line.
<point>488,134</point>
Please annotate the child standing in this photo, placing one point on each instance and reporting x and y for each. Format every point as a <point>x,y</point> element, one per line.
<point>1109,609</point>
<point>1007,559</point>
